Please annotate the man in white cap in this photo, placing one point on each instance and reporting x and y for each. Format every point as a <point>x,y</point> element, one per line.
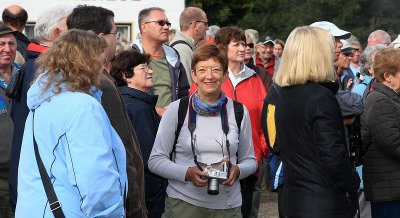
<point>396,42</point>
<point>343,64</point>
<point>336,32</point>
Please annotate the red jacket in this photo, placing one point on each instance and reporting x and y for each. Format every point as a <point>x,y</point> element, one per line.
<point>251,93</point>
<point>269,66</point>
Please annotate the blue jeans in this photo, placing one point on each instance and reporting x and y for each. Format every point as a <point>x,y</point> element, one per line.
<point>385,209</point>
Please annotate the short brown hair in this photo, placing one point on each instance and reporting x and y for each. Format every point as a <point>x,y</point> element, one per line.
<point>386,61</point>
<point>123,64</point>
<point>225,35</point>
<point>76,55</point>
<point>189,15</point>
<point>145,13</point>
<point>208,51</point>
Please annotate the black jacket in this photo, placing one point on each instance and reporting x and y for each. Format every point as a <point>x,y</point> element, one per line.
<point>319,180</point>
<point>22,44</point>
<point>381,124</point>
<point>145,120</point>
<point>19,113</point>
<point>114,106</point>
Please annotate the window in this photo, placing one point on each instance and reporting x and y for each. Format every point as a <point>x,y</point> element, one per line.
<point>29,30</point>
<point>124,28</point>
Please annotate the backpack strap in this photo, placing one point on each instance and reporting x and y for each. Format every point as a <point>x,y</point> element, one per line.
<point>182,110</point>
<point>238,113</point>
<point>180,42</point>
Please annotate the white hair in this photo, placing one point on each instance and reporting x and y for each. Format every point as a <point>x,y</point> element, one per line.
<point>383,37</point>
<point>212,30</point>
<point>49,19</point>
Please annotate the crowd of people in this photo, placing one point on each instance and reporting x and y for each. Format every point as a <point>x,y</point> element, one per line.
<point>194,122</point>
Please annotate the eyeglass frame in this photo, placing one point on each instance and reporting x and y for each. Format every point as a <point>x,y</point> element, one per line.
<point>116,34</point>
<point>205,22</point>
<point>145,68</point>
<point>160,22</point>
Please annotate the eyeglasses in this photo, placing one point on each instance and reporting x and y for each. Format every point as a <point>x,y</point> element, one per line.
<point>116,34</point>
<point>348,54</point>
<point>203,69</point>
<point>357,50</point>
<point>160,22</point>
<point>145,68</point>
<point>205,22</point>
<point>251,45</point>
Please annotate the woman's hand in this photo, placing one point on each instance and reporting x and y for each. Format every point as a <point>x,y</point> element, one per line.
<point>349,84</point>
<point>196,176</point>
<point>233,175</point>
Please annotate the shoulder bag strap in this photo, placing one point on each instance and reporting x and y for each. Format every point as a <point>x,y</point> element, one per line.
<point>55,205</point>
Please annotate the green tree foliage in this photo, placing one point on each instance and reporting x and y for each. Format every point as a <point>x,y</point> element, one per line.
<point>277,18</point>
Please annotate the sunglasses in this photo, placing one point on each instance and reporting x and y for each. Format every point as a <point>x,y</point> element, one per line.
<point>200,21</point>
<point>160,22</point>
<point>348,54</point>
<point>251,45</point>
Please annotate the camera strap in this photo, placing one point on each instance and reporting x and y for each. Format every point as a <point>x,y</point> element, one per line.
<point>192,127</point>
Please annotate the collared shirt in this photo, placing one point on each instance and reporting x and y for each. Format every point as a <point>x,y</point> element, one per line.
<point>237,78</point>
<point>3,84</point>
<point>355,69</point>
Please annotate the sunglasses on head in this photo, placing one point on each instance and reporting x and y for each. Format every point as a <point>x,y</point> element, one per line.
<point>160,22</point>
<point>251,45</point>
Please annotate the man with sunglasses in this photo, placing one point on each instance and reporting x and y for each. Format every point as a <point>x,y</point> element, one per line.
<point>194,24</point>
<point>249,61</point>
<point>169,77</point>
<point>343,64</point>
<point>353,72</point>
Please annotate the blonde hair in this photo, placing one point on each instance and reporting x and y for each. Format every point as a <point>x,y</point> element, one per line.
<point>308,56</point>
<point>76,55</point>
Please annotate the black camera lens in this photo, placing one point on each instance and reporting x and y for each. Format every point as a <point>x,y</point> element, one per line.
<point>213,186</point>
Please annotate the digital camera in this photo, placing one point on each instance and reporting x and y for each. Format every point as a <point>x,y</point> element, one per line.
<point>215,176</point>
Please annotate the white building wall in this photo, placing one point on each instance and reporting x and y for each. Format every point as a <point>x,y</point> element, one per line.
<point>126,11</point>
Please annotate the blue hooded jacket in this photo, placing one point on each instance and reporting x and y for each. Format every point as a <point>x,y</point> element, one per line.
<point>83,155</point>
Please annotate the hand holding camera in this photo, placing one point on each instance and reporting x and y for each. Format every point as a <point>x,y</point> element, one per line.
<point>196,176</point>
<point>234,173</point>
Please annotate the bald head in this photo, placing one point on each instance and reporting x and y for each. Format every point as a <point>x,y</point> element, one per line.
<point>379,37</point>
<point>15,17</point>
<point>189,15</point>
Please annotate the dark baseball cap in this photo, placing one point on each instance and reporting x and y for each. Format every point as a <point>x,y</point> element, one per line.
<point>4,30</point>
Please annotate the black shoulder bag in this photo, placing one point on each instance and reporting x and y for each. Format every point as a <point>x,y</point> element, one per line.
<point>55,205</point>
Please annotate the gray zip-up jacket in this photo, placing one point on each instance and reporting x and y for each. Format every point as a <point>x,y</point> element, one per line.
<point>179,82</point>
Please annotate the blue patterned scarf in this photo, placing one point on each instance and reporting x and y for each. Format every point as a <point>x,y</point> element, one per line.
<point>203,108</point>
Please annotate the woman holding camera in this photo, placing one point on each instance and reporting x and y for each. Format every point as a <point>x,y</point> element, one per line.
<point>209,142</point>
